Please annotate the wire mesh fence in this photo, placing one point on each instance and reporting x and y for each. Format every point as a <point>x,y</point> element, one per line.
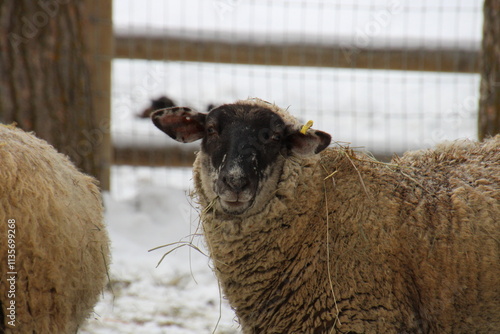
<point>384,76</point>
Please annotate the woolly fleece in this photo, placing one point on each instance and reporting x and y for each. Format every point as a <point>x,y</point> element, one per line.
<point>407,247</point>
<point>61,243</point>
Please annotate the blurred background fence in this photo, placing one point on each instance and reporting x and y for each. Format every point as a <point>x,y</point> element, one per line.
<point>385,76</point>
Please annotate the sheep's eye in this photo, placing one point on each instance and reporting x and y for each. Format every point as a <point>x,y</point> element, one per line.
<point>267,136</point>
<point>211,131</point>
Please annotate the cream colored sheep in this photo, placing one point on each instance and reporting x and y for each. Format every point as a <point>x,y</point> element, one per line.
<point>336,242</point>
<point>54,248</point>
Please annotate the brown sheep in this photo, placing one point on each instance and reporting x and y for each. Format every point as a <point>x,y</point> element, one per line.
<point>336,242</point>
<point>54,248</point>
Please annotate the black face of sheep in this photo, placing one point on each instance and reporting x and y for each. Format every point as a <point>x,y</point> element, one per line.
<point>242,143</point>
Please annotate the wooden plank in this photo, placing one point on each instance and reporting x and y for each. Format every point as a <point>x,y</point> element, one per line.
<point>179,156</point>
<point>489,102</point>
<point>171,48</point>
<point>100,47</point>
<point>155,156</point>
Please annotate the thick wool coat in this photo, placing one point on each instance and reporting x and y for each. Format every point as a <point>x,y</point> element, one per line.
<point>61,246</point>
<point>350,245</point>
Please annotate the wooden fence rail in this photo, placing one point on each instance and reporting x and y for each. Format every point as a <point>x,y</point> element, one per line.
<point>172,48</point>
<point>178,156</point>
<point>236,51</point>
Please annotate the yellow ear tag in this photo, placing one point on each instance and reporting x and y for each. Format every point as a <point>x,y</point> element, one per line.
<point>306,127</point>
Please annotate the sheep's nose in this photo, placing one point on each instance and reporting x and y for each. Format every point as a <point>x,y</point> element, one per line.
<point>236,183</point>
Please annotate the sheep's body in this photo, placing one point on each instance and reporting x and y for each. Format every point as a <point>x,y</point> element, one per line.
<point>336,242</point>
<point>407,249</point>
<point>61,246</point>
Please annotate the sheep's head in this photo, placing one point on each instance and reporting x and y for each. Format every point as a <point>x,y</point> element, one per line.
<point>243,149</point>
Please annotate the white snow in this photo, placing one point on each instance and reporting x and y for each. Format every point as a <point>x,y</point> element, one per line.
<point>150,208</point>
<point>384,111</point>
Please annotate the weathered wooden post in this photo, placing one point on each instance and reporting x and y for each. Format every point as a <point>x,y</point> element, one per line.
<point>489,102</point>
<point>100,43</point>
<point>55,76</point>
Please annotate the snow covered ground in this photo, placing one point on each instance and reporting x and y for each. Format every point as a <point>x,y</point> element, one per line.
<point>384,111</point>
<point>149,208</point>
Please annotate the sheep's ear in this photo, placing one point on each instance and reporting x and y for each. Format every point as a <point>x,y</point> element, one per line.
<point>312,142</point>
<point>182,124</point>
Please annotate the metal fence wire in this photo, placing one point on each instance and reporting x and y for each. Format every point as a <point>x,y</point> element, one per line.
<point>385,76</point>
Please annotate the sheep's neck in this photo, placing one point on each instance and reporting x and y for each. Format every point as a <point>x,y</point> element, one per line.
<point>263,263</point>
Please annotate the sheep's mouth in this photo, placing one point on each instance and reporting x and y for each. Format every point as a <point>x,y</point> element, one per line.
<point>235,207</point>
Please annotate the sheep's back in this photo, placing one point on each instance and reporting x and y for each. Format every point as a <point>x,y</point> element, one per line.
<point>421,234</point>
<point>61,243</point>
<point>454,214</point>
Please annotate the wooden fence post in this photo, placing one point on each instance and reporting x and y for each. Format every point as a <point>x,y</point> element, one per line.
<point>100,43</point>
<point>489,102</point>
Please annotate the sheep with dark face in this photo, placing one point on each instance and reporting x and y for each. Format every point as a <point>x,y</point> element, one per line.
<point>335,242</point>
<point>243,160</point>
